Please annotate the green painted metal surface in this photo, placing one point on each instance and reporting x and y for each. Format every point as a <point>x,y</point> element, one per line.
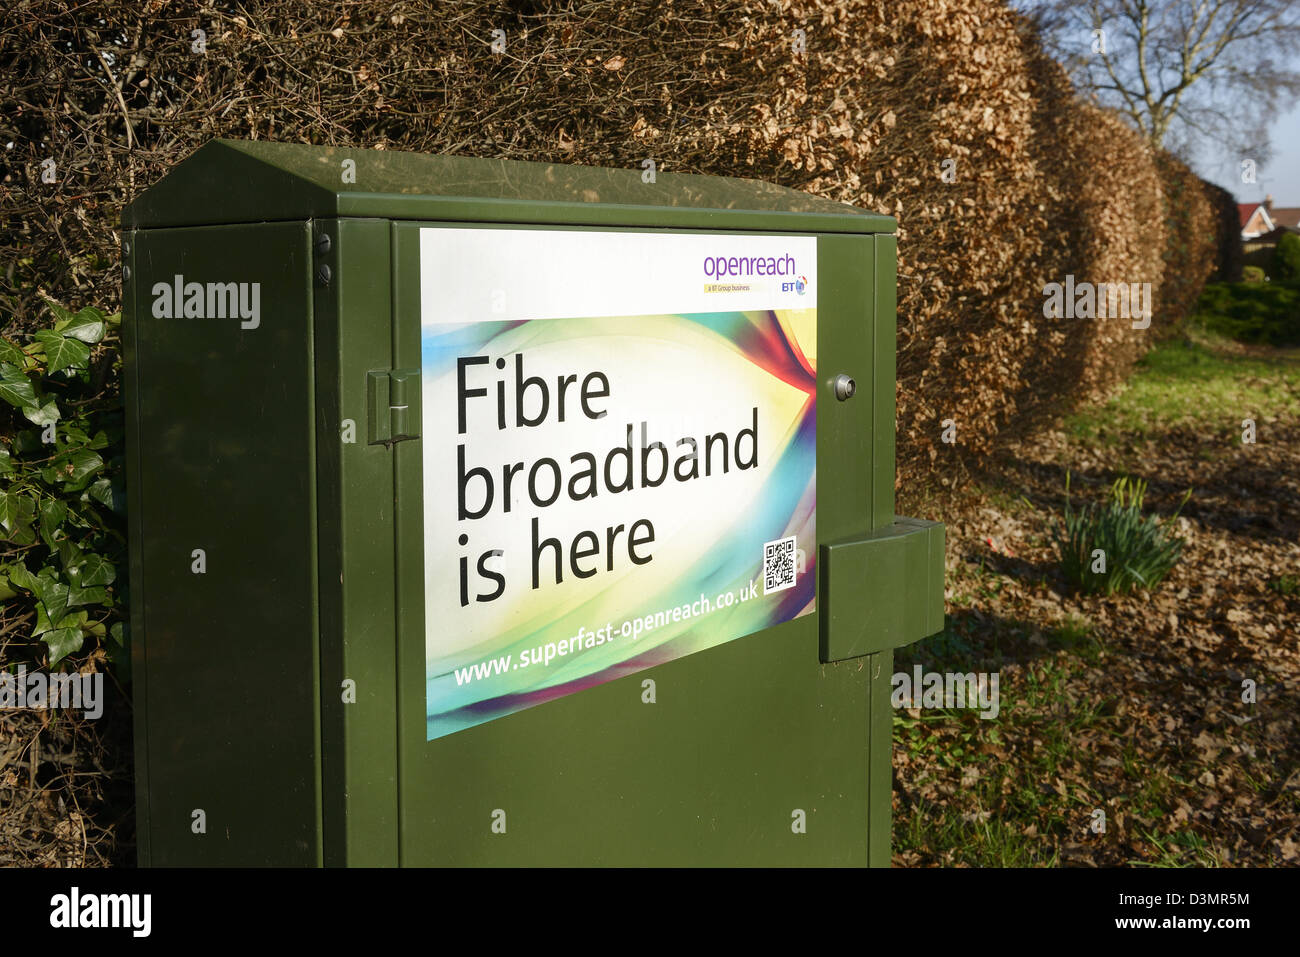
<point>224,553</point>
<point>845,445</point>
<point>887,588</point>
<point>279,453</point>
<point>358,610</point>
<point>228,181</point>
<point>884,334</point>
<point>740,737</point>
<point>880,768</point>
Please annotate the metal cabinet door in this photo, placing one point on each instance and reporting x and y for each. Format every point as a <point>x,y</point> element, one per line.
<point>753,752</point>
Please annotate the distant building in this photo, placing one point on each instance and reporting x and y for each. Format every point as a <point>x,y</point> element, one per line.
<point>1255,220</point>
<point>1288,216</point>
<point>1262,225</point>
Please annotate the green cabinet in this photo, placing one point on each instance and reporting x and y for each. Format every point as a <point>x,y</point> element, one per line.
<point>497,513</point>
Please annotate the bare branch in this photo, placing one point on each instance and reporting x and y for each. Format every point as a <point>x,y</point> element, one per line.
<point>1169,61</point>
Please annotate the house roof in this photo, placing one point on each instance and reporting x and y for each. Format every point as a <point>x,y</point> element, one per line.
<point>230,181</point>
<point>1285,215</point>
<point>1249,211</point>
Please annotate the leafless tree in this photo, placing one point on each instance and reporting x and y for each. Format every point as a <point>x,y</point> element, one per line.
<point>1190,74</point>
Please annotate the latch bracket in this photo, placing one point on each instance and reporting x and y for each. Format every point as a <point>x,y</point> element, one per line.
<point>393,406</point>
<point>881,590</point>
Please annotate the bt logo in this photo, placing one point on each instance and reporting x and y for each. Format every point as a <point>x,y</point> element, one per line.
<point>799,285</point>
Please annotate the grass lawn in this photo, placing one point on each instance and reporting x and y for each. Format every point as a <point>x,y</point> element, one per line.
<point>1191,382</point>
<point>1123,737</point>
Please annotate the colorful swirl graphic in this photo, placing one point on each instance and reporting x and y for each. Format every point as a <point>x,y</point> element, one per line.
<point>776,354</point>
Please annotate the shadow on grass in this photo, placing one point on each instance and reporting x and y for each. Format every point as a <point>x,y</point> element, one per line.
<point>1248,498</point>
<point>974,640</point>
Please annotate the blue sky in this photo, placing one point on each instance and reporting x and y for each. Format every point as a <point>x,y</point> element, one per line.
<point>1281,176</point>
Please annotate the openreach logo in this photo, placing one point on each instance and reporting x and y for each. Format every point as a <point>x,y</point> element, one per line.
<point>934,690</point>
<point>1106,300</point>
<point>76,910</point>
<point>726,267</point>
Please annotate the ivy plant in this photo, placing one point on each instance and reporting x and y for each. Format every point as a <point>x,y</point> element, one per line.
<point>62,503</point>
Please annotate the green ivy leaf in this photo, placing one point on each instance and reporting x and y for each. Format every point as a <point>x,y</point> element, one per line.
<point>16,388</point>
<point>63,352</point>
<point>6,462</point>
<point>72,467</point>
<point>28,440</point>
<point>63,642</point>
<point>60,314</point>
<point>24,534</point>
<point>95,570</point>
<point>52,608</point>
<point>109,492</point>
<point>102,439</point>
<point>9,510</point>
<point>87,326</point>
<point>53,513</point>
<point>74,435</point>
<point>70,555</point>
<point>11,354</point>
<point>118,634</point>
<point>16,511</point>
<point>87,596</point>
<point>20,576</point>
<point>43,412</point>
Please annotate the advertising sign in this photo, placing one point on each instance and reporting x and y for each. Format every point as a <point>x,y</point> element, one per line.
<point>619,454</point>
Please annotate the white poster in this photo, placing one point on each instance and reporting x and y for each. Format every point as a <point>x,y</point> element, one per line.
<point>619,454</point>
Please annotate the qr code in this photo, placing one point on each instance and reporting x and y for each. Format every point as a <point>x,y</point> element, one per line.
<point>778,565</point>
